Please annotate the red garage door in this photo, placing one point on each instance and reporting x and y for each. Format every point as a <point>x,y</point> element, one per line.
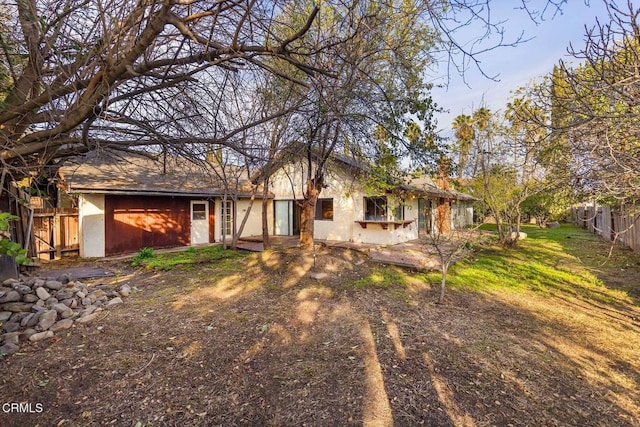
<point>134,222</point>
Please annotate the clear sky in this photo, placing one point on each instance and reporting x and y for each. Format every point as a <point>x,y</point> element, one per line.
<point>514,66</point>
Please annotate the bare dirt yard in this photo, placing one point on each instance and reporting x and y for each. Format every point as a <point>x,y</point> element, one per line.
<point>546,334</point>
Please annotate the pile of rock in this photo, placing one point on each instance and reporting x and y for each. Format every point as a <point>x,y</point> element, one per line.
<point>34,309</point>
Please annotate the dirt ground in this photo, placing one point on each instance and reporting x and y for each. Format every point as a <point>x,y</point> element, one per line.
<point>258,341</point>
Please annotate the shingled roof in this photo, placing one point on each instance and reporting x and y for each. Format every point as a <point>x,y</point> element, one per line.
<point>111,173</point>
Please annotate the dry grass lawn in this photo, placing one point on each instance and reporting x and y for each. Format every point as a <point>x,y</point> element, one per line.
<point>546,334</point>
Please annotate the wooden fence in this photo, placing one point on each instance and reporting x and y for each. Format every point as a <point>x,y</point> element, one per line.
<point>621,225</point>
<point>55,233</point>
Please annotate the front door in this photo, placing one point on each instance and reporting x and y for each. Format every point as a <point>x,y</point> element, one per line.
<point>226,214</point>
<point>199,222</point>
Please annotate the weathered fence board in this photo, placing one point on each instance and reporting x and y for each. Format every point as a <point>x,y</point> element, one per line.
<point>622,226</point>
<point>55,232</point>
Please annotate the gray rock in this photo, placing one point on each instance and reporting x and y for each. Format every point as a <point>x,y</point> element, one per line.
<point>64,294</point>
<point>53,284</point>
<point>38,283</point>
<point>88,318</point>
<point>69,302</point>
<point>87,311</point>
<point>61,324</point>
<point>124,290</point>
<point>16,307</point>
<point>40,303</point>
<point>86,302</point>
<point>30,320</point>
<point>8,349</point>
<point>47,319</point>
<point>519,236</point>
<point>10,282</point>
<point>38,308</point>
<point>30,282</point>
<point>11,296</point>
<point>5,315</point>
<point>24,336</point>
<point>93,296</point>
<point>63,310</point>
<point>319,276</point>
<point>51,301</point>
<point>23,289</point>
<point>64,278</point>
<point>41,336</point>
<point>31,298</point>
<point>80,294</point>
<point>115,301</point>
<point>17,317</point>
<point>11,326</point>
<point>11,337</point>
<point>43,294</point>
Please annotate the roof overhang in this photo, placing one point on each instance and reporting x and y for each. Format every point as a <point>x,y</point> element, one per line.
<point>161,193</point>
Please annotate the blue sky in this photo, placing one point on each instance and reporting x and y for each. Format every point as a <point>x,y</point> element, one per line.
<point>515,66</point>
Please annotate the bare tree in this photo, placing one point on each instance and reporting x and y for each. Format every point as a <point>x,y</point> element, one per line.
<point>103,73</point>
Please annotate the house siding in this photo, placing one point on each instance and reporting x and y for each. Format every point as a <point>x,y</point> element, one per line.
<point>91,221</point>
<point>253,226</point>
<point>348,207</point>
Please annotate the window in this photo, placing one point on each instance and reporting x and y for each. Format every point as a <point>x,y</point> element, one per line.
<point>198,211</point>
<point>324,209</point>
<point>375,208</point>
<point>398,212</point>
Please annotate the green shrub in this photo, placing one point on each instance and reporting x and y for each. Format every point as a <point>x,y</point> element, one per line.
<point>144,254</point>
<point>8,247</point>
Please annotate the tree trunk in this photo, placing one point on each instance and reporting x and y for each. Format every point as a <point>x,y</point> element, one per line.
<point>443,282</point>
<point>307,216</point>
<point>266,243</point>
<point>236,236</point>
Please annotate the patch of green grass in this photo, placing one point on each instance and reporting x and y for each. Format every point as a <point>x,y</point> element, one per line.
<point>542,263</point>
<point>190,258</point>
<point>382,277</point>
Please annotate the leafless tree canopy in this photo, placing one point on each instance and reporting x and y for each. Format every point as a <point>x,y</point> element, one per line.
<point>79,75</point>
<point>92,72</point>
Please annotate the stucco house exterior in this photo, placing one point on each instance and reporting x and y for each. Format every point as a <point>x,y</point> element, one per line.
<point>346,211</point>
<point>133,201</point>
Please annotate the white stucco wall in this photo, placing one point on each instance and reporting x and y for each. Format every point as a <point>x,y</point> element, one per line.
<point>340,187</point>
<point>348,207</point>
<point>91,224</point>
<point>253,226</point>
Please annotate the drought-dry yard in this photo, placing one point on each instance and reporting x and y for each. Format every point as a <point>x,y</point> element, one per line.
<point>547,334</point>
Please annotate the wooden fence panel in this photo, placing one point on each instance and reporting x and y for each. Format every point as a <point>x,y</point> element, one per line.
<point>55,232</point>
<point>621,226</point>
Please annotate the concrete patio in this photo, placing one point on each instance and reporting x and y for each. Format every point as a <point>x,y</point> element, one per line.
<point>419,254</point>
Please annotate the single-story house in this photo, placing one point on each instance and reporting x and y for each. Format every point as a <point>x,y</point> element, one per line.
<point>127,202</point>
<point>346,211</point>
<point>132,201</point>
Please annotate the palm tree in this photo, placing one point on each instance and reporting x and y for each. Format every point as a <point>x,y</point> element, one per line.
<point>465,134</point>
